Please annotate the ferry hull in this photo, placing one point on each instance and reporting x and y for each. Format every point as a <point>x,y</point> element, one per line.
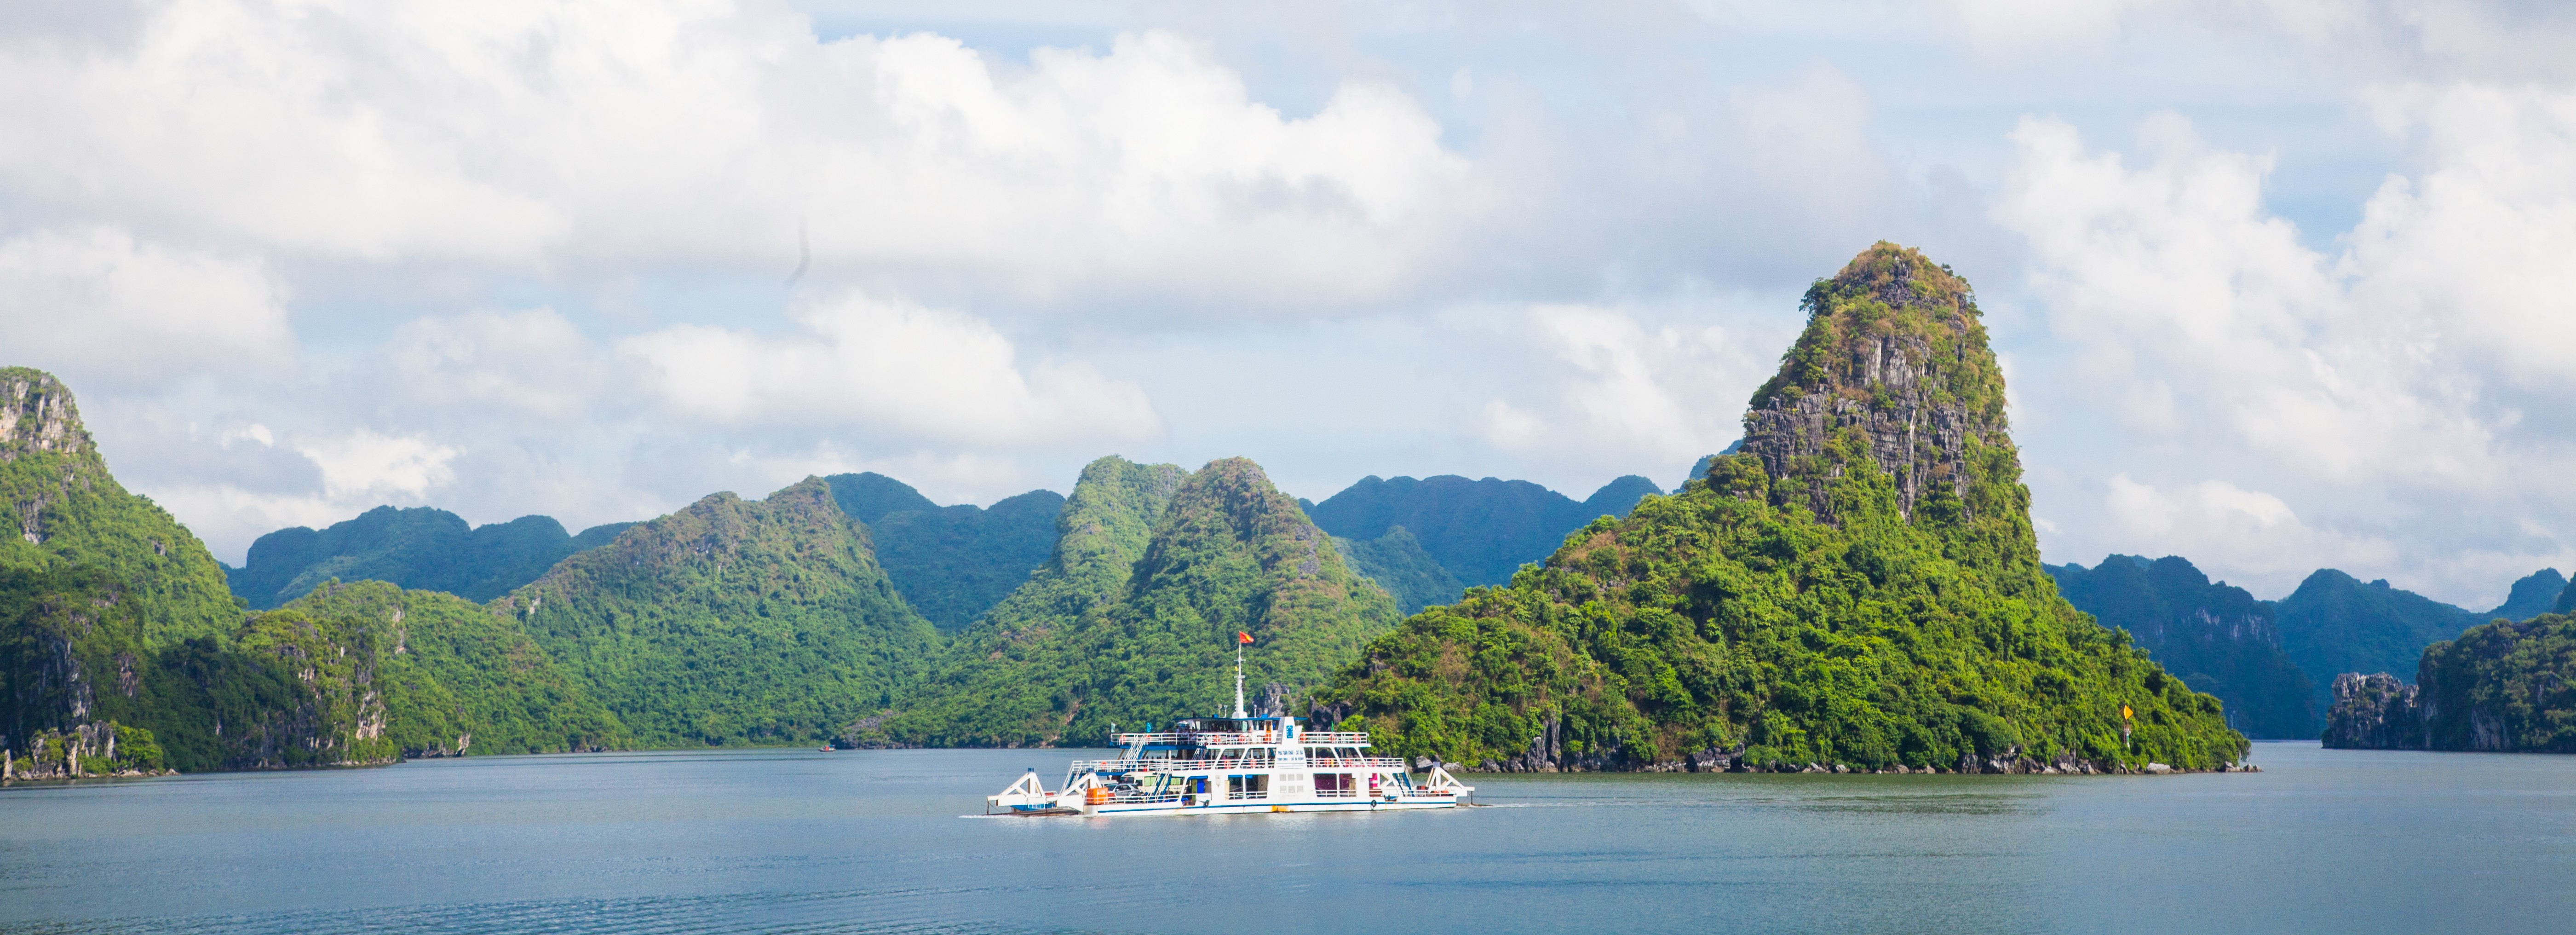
<point>1235,766</point>
<point>1266,808</point>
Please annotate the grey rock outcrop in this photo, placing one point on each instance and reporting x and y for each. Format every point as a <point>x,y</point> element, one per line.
<point>2375,712</point>
<point>1915,387</point>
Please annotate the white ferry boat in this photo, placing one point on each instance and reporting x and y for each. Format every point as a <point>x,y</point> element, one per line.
<point>1234,765</point>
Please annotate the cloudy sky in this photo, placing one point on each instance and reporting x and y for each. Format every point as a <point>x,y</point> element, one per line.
<point>2278,283</point>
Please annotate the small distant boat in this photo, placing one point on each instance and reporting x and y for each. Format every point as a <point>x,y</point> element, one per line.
<point>1234,765</point>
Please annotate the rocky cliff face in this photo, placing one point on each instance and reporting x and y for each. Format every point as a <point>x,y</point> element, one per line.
<point>2373,712</point>
<point>1894,358</point>
<point>37,415</point>
<point>2504,687</point>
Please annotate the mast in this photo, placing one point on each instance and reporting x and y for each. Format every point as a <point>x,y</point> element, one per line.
<point>1238,682</point>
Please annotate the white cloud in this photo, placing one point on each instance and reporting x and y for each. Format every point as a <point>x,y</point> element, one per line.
<point>2248,533</point>
<point>1620,394</point>
<point>364,464</point>
<point>2451,39</point>
<point>1506,426</point>
<point>891,366</point>
<point>533,134</point>
<point>107,310</point>
<point>1604,390</point>
<point>2403,390</point>
<point>229,517</point>
<point>253,432</point>
<point>2199,308</point>
<point>532,362</point>
<point>2474,251</point>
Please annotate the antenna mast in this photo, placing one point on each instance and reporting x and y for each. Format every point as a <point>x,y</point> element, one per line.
<point>1238,682</point>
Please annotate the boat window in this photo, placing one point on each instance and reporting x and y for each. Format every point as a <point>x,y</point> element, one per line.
<point>1247,787</point>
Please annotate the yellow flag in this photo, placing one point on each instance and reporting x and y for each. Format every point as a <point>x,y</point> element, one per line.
<point>2124,711</point>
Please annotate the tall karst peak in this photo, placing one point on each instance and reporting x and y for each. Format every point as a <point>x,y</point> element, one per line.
<point>37,414</point>
<point>1893,366</point>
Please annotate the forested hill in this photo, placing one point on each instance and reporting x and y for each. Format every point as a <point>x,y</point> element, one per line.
<point>951,563</point>
<point>1133,618</point>
<point>1480,531</point>
<point>420,547</point>
<point>732,622</point>
<point>122,649</point>
<point>1860,587</point>
<point>64,511</point>
<point>2218,638</point>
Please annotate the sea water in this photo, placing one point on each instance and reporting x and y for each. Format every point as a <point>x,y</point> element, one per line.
<point>888,841</point>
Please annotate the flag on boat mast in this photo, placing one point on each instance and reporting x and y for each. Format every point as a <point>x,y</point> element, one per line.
<point>1241,640</point>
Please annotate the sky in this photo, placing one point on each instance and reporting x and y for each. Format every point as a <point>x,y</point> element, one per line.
<point>2277,284</point>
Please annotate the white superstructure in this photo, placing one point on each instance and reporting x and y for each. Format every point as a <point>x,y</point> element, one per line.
<point>1235,765</point>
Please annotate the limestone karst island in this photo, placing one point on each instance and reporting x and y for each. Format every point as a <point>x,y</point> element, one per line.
<point>1857,587</point>
<point>813,467</point>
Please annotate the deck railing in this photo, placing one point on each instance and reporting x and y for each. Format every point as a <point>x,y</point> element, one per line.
<point>1312,738</point>
<point>1165,765</point>
<point>1355,762</point>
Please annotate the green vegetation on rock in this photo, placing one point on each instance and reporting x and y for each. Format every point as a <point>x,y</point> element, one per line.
<point>459,677</point>
<point>420,547</point>
<point>60,509</point>
<point>1133,619</point>
<point>1861,587</point>
<point>732,622</point>
<point>120,641</point>
<point>2219,639</point>
<point>2505,686</point>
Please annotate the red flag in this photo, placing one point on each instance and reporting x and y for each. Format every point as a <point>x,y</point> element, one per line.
<point>1242,637</point>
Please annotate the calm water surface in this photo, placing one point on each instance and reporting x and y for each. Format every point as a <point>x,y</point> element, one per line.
<point>800,841</point>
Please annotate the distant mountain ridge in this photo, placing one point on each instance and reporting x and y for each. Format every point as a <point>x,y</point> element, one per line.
<point>2335,623</point>
<point>1480,531</point>
<point>2534,594</point>
<point>1397,563</point>
<point>952,563</point>
<point>2217,638</point>
<point>2332,625</point>
<point>422,548</point>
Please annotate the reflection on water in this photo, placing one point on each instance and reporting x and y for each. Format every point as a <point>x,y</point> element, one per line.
<point>1951,803</point>
<point>799,841</point>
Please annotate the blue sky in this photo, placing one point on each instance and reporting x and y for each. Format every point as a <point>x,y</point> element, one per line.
<point>2274,280</point>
